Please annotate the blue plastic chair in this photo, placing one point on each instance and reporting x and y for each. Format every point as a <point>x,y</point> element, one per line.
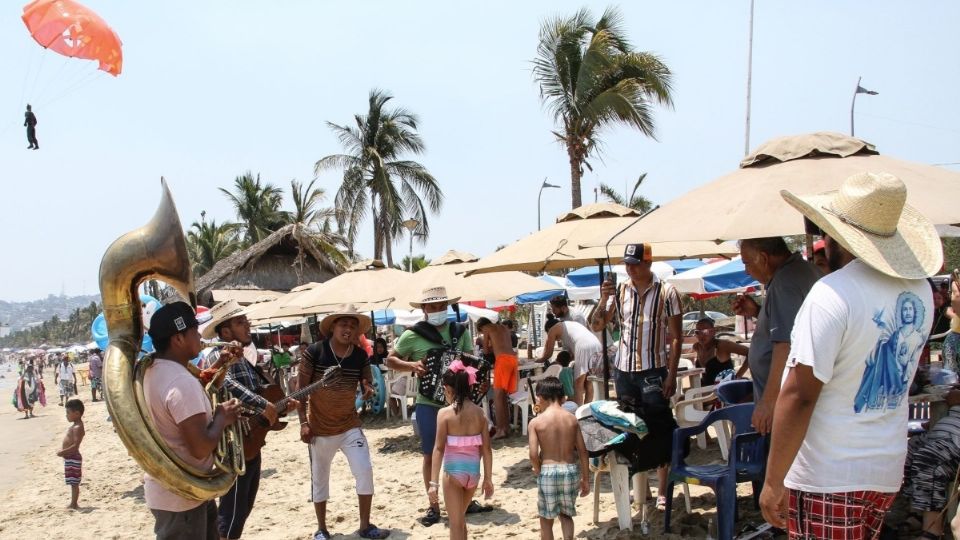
<point>747,463</point>
<point>734,392</point>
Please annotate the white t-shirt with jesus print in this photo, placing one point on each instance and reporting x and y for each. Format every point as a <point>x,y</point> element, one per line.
<point>861,332</point>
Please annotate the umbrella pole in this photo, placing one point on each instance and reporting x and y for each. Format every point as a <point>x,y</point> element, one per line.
<point>603,341</point>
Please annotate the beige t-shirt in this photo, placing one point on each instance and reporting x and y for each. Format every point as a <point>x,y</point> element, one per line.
<point>173,395</point>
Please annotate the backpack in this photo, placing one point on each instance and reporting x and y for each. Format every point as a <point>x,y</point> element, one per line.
<point>438,360</point>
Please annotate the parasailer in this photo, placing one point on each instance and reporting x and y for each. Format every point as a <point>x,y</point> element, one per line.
<point>30,120</point>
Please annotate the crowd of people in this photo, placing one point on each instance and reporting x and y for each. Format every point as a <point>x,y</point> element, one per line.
<point>832,360</point>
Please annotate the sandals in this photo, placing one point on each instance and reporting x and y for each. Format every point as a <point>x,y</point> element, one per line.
<point>322,534</point>
<point>662,503</point>
<point>929,535</point>
<point>373,532</point>
<point>476,508</point>
<point>432,517</point>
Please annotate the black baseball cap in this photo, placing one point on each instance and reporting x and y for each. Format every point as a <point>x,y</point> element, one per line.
<point>172,319</point>
<point>637,253</point>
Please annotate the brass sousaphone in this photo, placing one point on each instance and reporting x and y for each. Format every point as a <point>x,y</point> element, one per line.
<point>156,250</point>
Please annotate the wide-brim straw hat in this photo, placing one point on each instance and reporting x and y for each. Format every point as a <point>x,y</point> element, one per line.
<point>222,312</point>
<point>433,295</point>
<point>348,311</point>
<point>869,217</point>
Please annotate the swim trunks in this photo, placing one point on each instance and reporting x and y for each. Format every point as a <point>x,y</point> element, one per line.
<point>505,373</point>
<point>73,469</point>
<point>557,488</point>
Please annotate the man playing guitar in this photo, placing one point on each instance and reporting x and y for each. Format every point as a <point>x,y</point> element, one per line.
<point>244,380</point>
<point>328,416</point>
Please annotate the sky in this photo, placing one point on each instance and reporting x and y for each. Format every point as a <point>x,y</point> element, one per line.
<point>210,90</point>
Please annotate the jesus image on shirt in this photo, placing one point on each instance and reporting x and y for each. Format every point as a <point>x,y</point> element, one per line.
<point>885,380</point>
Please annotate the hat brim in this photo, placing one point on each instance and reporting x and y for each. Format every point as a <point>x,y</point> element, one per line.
<point>449,301</point>
<point>209,330</point>
<point>327,323</point>
<point>913,252</point>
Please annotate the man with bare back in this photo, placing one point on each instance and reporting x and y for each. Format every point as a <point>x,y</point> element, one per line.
<point>496,338</point>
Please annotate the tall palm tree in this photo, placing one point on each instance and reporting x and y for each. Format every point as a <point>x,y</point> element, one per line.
<point>591,78</point>
<point>637,202</point>
<point>257,205</point>
<point>208,243</point>
<point>377,181</point>
<point>419,263</point>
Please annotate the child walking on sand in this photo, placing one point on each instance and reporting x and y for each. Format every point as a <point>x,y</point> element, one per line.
<point>559,460</point>
<point>462,439</point>
<point>72,460</point>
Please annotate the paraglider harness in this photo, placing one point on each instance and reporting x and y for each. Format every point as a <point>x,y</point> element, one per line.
<point>438,359</point>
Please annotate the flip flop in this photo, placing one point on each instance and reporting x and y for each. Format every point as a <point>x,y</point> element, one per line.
<point>476,508</point>
<point>373,532</point>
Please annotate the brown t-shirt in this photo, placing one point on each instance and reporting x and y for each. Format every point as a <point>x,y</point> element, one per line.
<point>332,410</point>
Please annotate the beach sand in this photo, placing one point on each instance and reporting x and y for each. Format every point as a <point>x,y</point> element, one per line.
<point>33,495</point>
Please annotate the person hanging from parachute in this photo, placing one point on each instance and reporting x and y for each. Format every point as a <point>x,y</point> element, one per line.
<point>30,120</point>
<point>69,28</point>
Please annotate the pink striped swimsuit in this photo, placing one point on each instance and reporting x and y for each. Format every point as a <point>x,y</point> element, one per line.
<point>461,459</point>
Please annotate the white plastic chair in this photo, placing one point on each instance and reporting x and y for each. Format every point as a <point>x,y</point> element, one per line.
<point>690,411</point>
<point>522,400</point>
<point>410,391</point>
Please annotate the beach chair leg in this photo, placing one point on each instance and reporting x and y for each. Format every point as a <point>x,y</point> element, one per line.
<point>619,481</point>
<point>596,495</point>
<point>640,485</point>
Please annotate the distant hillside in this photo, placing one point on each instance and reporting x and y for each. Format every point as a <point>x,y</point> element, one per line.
<point>20,315</point>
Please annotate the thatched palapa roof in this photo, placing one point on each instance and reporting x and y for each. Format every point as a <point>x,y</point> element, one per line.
<point>276,263</point>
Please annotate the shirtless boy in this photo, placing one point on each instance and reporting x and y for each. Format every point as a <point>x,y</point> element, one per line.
<point>70,452</point>
<point>496,338</point>
<point>559,460</point>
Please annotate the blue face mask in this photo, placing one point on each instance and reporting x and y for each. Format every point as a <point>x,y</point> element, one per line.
<point>437,319</point>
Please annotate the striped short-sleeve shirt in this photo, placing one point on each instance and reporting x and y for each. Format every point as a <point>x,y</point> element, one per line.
<point>645,316</point>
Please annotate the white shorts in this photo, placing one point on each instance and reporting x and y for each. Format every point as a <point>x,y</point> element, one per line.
<point>354,446</point>
<point>588,361</point>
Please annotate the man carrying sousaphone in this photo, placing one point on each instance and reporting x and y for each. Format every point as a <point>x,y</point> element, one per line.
<point>432,336</point>
<point>184,418</point>
<point>245,381</point>
<point>328,417</point>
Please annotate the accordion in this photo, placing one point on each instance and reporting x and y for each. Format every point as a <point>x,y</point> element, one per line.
<point>436,363</point>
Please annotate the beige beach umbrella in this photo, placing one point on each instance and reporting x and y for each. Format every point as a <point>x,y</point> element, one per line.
<point>746,203</point>
<point>558,246</point>
<point>367,285</point>
<point>448,271</point>
<point>271,310</point>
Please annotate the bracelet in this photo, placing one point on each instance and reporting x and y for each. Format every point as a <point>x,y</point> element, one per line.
<point>304,424</point>
<point>434,484</point>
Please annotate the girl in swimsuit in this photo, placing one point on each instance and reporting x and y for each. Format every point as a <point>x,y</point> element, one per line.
<point>462,439</point>
<point>713,355</point>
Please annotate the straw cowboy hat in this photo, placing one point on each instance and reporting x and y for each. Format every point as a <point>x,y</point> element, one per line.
<point>348,311</point>
<point>869,217</point>
<point>222,312</point>
<point>432,295</point>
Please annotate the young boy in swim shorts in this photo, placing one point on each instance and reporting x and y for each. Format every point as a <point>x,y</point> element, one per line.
<point>70,451</point>
<point>559,460</point>
<point>496,338</point>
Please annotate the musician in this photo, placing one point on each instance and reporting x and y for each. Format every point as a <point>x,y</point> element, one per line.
<point>182,414</point>
<point>244,380</point>
<point>408,355</point>
<point>328,417</point>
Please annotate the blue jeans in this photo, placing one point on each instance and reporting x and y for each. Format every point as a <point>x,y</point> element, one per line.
<point>645,387</point>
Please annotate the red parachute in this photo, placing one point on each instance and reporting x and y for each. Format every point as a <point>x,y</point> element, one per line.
<point>73,30</point>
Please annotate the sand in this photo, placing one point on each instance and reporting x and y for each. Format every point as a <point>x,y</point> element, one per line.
<point>34,498</point>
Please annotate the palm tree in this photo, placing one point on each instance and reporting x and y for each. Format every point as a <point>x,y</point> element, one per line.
<point>376,181</point>
<point>419,263</point>
<point>637,202</point>
<point>208,243</point>
<point>308,214</point>
<point>257,205</point>
<point>591,78</point>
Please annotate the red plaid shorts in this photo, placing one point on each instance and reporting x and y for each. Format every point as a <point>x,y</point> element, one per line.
<point>854,515</point>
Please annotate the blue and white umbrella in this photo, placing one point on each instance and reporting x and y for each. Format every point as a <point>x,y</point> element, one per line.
<point>720,277</point>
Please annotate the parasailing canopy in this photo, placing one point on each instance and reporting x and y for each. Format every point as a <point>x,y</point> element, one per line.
<point>71,29</point>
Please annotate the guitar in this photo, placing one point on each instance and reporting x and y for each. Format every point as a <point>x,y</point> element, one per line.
<point>255,427</point>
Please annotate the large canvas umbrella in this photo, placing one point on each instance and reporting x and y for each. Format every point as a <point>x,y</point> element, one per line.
<point>366,284</point>
<point>747,203</point>
<point>559,246</point>
<point>448,271</point>
<point>274,310</point>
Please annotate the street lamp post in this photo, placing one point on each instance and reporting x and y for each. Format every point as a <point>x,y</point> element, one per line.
<point>410,225</point>
<point>859,90</point>
<point>540,194</point>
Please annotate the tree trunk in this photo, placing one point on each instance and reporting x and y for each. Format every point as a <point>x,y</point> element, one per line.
<point>377,239</point>
<point>388,247</point>
<point>575,163</point>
